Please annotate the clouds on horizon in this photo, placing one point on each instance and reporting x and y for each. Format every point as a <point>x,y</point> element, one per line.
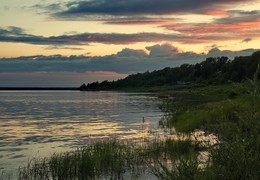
<point>126,61</point>
<point>72,71</point>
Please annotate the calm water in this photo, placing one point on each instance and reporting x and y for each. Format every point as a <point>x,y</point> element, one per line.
<point>38,123</point>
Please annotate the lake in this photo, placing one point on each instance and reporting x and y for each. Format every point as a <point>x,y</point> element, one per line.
<point>36,124</point>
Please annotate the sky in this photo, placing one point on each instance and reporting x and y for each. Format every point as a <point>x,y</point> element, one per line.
<point>64,43</point>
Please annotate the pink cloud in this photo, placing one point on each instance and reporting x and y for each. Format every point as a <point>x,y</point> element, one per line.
<point>216,13</point>
<point>213,28</point>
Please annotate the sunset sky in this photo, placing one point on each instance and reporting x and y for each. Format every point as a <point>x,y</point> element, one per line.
<point>65,43</point>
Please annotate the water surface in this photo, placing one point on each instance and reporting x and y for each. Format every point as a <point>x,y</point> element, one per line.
<point>38,123</point>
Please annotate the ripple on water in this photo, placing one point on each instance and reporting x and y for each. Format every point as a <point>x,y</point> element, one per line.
<point>38,123</point>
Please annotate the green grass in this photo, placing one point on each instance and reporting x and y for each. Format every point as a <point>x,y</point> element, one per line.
<point>106,160</point>
<point>186,168</point>
<point>236,121</point>
<point>110,159</point>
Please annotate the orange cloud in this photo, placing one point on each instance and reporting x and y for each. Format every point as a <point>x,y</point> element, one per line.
<point>216,13</point>
<point>214,28</point>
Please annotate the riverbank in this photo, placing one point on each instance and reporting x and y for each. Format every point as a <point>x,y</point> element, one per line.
<point>232,114</point>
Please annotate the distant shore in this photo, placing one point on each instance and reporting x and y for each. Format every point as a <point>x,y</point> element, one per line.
<point>38,88</point>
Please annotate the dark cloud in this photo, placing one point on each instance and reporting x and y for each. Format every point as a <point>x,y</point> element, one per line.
<point>246,40</point>
<point>200,33</point>
<point>124,62</point>
<point>215,52</point>
<point>12,31</point>
<point>16,34</point>
<point>45,8</point>
<point>131,53</point>
<point>238,16</point>
<point>142,7</point>
<point>240,12</point>
<point>138,21</point>
<point>58,70</point>
<point>117,38</point>
<point>61,47</point>
<point>164,50</point>
<point>13,34</point>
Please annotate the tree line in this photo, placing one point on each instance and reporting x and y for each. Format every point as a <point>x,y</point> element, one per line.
<point>213,70</point>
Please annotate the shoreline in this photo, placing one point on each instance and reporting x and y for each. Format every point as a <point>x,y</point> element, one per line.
<point>37,88</point>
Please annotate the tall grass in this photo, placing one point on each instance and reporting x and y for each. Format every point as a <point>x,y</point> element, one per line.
<point>104,160</point>
<point>238,157</point>
<point>236,121</point>
<point>182,170</point>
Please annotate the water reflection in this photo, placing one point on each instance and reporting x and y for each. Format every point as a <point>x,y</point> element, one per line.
<point>37,123</point>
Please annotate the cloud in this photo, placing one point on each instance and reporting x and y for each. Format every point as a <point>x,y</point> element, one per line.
<point>12,31</point>
<point>215,13</point>
<point>246,40</point>
<point>45,8</point>
<point>66,71</point>
<point>236,20</point>
<point>131,53</point>
<point>238,16</point>
<point>124,62</point>
<point>215,52</point>
<point>139,21</point>
<point>18,35</point>
<point>206,28</point>
<point>142,7</point>
<point>162,50</point>
<point>236,26</point>
<point>61,47</point>
<point>201,33</point>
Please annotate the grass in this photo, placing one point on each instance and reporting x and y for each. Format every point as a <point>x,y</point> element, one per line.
<point>183,170</point>
<point>110,159</point>
<point>106,160</point>
<point>236,121</point>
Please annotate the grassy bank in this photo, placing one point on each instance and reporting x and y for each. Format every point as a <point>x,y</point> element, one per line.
<point>234,117</point>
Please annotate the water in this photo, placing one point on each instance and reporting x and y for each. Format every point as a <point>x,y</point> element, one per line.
<point>36,124</point>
